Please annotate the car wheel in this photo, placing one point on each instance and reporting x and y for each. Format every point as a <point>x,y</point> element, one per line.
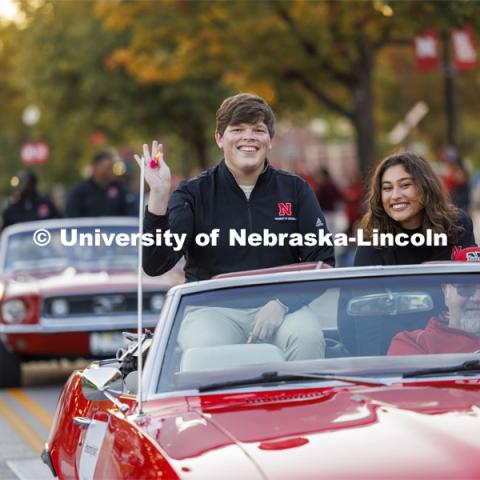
<point>10,372</point>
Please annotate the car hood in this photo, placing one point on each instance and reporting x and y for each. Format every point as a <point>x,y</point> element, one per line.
<point>70,281</point>
<point>396,432</point>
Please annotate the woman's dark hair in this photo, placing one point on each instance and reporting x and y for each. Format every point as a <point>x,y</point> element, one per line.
<point>245,108</point>
<point>439,214</point>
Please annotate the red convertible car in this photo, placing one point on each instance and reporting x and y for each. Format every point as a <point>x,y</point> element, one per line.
<point>328,400</point>
<point>62,295</point>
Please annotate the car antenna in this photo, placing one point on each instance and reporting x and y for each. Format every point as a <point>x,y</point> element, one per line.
<point>140,288</point>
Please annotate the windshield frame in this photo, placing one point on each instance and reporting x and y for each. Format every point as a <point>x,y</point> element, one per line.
<point>56,224</point>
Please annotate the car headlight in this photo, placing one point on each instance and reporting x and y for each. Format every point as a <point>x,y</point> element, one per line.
<point>60,307</point>
<point>14,311</point>
<point>156,302</point>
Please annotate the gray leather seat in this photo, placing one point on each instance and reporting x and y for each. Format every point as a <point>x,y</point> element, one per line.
<point>227,356</point>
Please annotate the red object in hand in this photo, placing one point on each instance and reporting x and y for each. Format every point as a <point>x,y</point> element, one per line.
<point>155,162</point>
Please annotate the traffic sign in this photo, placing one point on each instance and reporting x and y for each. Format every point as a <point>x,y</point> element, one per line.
<point>34,153</point>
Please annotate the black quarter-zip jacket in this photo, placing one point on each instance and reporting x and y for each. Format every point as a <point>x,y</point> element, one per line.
<point>280,202</point>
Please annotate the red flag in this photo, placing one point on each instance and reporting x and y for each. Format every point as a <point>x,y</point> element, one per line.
<point>464,54</point>
<point>426,50</point>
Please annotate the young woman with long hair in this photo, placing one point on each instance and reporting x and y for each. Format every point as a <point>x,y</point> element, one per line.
<point>406,197</point>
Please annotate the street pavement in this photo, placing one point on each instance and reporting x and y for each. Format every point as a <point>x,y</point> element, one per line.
<point>25,417</point>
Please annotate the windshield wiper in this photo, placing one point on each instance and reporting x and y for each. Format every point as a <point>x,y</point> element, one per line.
<point>279,377</point>
<point>465,367</point>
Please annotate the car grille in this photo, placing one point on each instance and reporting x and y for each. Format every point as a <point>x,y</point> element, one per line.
<point>101,304</point>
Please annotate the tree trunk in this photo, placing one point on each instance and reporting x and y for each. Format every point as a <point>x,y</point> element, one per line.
<point>201,149</point>
<point>363,120</point>
<point>449,88</point>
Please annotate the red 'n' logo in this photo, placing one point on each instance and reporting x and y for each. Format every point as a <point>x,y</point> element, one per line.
<point>285,209</point>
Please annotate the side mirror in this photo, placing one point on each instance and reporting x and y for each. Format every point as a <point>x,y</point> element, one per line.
<point>103,383</point>
<point>390,303</point>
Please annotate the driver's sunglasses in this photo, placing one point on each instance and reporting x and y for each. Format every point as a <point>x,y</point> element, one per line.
<point>465,291</point>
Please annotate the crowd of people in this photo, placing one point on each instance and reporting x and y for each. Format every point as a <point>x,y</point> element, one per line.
<point>243,191</point>
<point>102,194</point>
<point>245,181</point>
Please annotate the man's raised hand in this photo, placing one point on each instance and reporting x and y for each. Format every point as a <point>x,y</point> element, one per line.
<point>157,176</point>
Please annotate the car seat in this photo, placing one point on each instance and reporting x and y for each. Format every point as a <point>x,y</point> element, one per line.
<point>368,335</point>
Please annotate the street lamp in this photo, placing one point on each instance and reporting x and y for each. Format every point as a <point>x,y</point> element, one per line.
<point>31,115</point>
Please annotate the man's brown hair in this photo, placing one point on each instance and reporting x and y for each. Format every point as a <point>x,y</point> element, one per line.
<point>245,108</point>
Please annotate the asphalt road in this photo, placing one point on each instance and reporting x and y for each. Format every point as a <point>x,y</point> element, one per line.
<point>25,417</point>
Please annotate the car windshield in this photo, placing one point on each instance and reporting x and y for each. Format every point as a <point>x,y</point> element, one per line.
<point>373,320</point>
<point>71,247</point>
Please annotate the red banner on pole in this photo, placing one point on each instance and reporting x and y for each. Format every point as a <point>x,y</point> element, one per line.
<point>464,54</point>
<point>426,50</point>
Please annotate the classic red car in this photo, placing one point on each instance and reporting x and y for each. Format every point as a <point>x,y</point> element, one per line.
<point>70,297</point>
<point>328,401</point>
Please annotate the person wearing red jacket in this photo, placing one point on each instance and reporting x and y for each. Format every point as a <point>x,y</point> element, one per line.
<point>455,331</point>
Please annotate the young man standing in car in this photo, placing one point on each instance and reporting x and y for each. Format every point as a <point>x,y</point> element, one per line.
<point>242,192</point>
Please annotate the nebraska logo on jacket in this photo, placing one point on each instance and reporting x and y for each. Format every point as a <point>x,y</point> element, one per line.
<point>284,210</point>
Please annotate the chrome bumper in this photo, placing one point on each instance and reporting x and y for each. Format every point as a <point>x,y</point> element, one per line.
<point>47,459</point>
<point>81,324</point>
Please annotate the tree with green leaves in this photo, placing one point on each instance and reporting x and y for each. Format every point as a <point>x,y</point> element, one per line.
<point>11,101</point>
<point>66,64</point>
<point>294,51</point>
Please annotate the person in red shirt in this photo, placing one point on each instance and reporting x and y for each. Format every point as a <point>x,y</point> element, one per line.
<point>456,178</point>
<point>455,331</point>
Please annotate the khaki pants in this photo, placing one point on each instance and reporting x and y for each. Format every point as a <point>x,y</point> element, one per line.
<point>300,335</point>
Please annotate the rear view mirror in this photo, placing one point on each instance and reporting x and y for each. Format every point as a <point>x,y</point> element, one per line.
<point>390,303</point>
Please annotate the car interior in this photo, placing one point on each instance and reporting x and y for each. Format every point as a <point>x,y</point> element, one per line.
<point>357,318</point>
<point>369,333</point>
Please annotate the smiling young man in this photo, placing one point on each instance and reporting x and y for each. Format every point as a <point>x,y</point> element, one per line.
<point>242,192</point>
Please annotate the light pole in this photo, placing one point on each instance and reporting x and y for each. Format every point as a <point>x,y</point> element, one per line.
<point>449,89</point>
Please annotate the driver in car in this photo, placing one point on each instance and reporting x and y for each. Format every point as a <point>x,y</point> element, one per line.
<point>457,330</point>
